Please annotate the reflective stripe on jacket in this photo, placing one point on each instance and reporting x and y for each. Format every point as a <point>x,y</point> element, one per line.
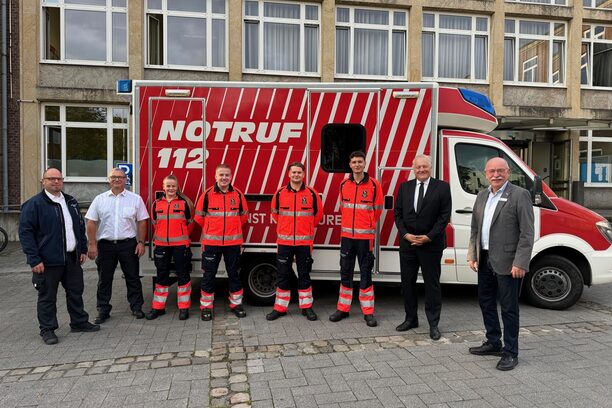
<point>221,216</point>
<point>171,219</point>
<point>360,205</point>
<point>296,214</point>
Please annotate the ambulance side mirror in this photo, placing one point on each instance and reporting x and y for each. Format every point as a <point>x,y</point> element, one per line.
<point>536,192</point>
<point>388,202</point>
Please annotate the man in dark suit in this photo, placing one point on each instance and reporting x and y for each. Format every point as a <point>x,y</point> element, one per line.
<point>422,211</point>
<point>501,242</point>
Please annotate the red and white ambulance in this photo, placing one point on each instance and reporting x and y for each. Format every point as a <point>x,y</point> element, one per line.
<point>188,128</point>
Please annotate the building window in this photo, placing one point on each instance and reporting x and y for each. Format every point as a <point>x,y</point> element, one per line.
<point>551,2</point>
<point>455,47</point>
<point>534,52</point>
<point>187,34</point>
<point>596,57</point>
<point>597,4</point>
<point>596,157</point>
<point>281,38</point>
<point>371,43</point>
<point>84,31</point>
<point>85,142</point>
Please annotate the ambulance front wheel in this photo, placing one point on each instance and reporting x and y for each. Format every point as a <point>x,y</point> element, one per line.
<point>259,280</point>
<point>553,282</point>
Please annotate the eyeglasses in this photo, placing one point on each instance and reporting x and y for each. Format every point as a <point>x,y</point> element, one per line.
<point>493,171</point>
<point>117,177</point>
<point>54,178</point>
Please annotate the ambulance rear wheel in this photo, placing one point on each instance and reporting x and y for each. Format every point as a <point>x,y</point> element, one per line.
<point>259,281</point>
<point>553,283</point>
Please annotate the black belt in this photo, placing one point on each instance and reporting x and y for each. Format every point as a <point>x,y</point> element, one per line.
<point>117,241</point>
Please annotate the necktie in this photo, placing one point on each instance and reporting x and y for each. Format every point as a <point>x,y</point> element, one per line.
<point>420,197</point>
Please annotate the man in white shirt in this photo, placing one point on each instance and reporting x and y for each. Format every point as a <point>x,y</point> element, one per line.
<point>116,228</point>
<point>52,235</point>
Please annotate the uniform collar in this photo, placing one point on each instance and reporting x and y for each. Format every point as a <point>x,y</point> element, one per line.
<point>366,177</point>
<point>291,188</point>
<point>218,190</point>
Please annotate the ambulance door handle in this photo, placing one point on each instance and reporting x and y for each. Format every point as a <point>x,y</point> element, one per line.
<point>466,210</point>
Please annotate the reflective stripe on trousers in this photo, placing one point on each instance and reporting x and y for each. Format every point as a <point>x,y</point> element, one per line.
<point>183,296</point>
<point>305,298</point>
<point>345,299</point>
<point>366,299</point>
<point>282,300</point>
<point>206,300</point>
<point>160,295</point>
<point>235,298</point>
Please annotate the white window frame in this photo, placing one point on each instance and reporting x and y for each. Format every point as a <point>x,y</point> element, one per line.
<point>390,28</point>
<point>109,125</point>
<point>539,2</point>
<point>261,19</point>
<point>109,9</point>
<point>551,38</point>
<point>589,138</point>
<point>589,64</point>
<point>593,6</point>
<point>473,33</point>
<point>209,16</point>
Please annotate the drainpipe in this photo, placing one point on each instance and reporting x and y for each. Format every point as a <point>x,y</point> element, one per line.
<point>4,80</point>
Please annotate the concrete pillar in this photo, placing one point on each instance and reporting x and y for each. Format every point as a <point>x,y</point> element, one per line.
<point>136,27</point>
<point>415,27</point>
<point>496,58</point>
<point>328,40</point>
<point>234,40</point>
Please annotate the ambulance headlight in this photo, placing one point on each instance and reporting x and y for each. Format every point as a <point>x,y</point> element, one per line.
<point>606,229</point>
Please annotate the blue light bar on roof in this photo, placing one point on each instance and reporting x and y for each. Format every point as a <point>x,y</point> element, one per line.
<point>478,99</point>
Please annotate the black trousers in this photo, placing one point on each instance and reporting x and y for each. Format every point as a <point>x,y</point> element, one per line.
<point>211,257</point>
<point>493,287</point>
<point>163,257</point>
<point>284,260</point>
<point>71,278</point>
<point>429,261</point>
<point>351,249</point>
<point>109,254</point>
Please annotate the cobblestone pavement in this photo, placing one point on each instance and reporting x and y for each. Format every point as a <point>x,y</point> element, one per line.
<point>565,360</point>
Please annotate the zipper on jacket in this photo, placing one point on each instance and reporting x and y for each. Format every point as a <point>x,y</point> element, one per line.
<point>294,215</point>
<point>224,215</point>
<point>167,222</point>
<point>355,207</point>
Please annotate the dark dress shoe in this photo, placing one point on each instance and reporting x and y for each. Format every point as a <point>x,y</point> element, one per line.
<point>310,314</point>
<point>49,337</point>
<point>207,314</point>
<point>434,333</point>
<point>275,314</point>
<point>370,320</point>
<point>86,327</point>
<point>486,349</point>
<point>155,313</point>
<point>239,311</point>
<point>406,325</point>
<point>139,314</point>
<point>338,315</point>
<point>101,318</point>
<point>183,314</point>
<point>507,362</point>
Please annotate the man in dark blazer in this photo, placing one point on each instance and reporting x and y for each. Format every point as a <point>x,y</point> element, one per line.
<point>501,242</point>
<point>422,211</point>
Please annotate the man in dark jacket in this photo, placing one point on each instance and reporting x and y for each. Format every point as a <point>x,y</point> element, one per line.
<point>52,235</point>
<point>422,211</point>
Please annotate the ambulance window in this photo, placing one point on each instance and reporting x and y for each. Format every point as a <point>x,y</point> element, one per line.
<point>338,141</point>
<point>471,160</point>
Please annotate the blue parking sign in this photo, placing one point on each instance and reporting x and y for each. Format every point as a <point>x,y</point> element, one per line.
<point>128,170</point>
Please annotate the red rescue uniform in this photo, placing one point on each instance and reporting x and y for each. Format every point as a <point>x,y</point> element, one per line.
<point>221,216</point>
<point>296,214</point>
<point>361,206</point>
<point>171,220</point>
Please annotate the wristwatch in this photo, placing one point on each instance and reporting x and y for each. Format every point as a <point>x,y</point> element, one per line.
<point>140,241</point>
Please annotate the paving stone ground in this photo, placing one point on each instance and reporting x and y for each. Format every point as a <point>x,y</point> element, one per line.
<point>565,360</point>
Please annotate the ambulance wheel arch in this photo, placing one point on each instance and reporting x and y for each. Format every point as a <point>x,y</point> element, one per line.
<point>258,274</point>
<point>554,281</point>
